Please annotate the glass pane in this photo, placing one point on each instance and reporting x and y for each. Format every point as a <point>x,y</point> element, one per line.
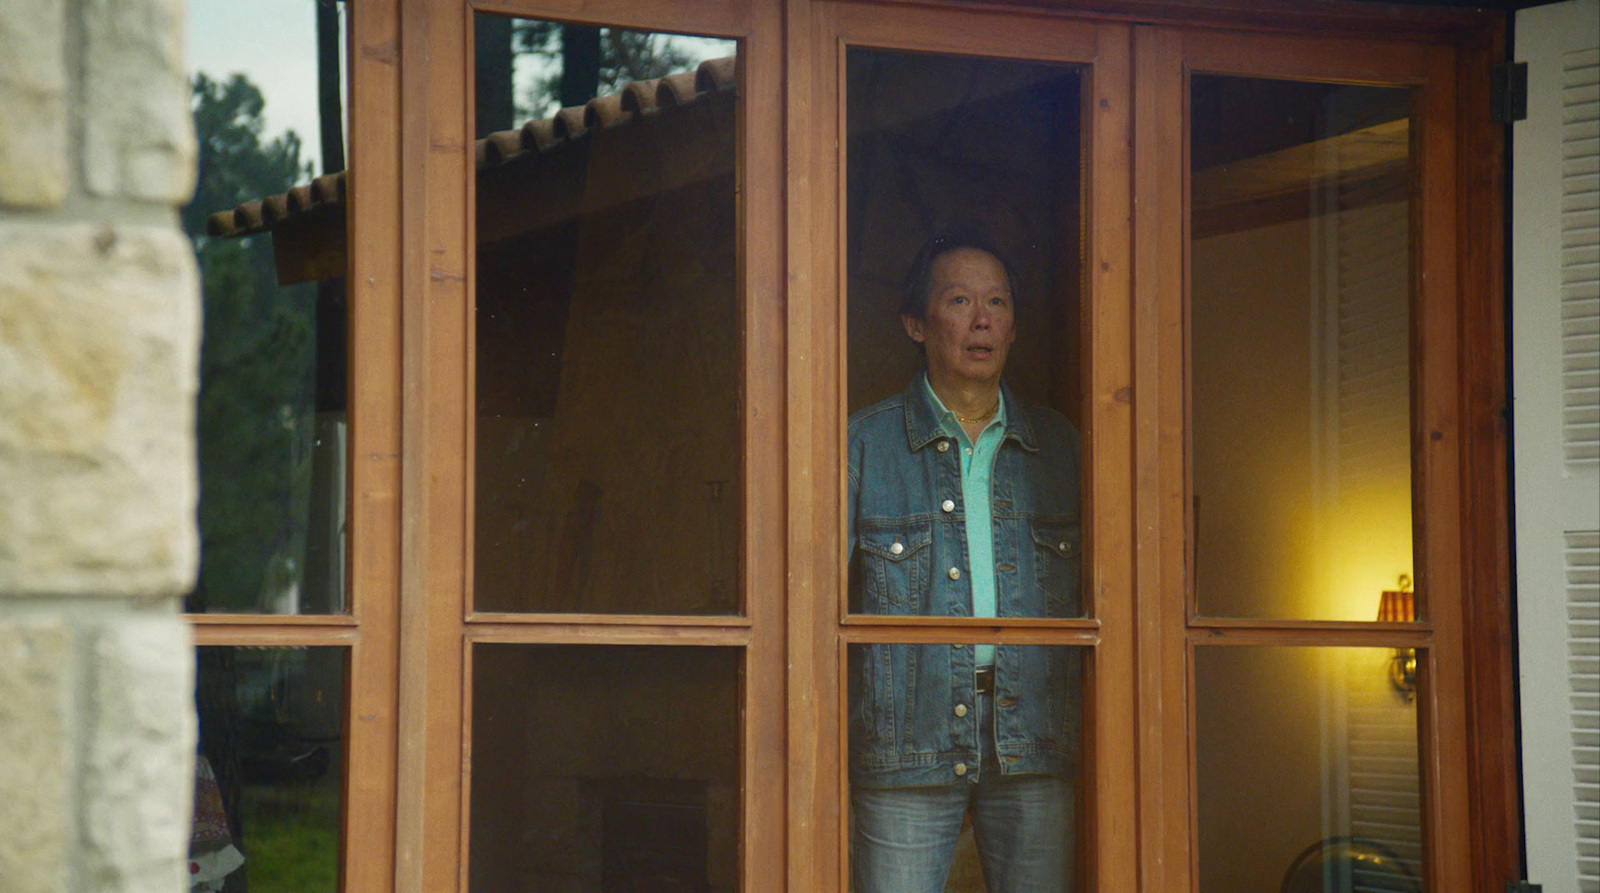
<point>964,261</point>
<point>608,334</point>
<point>608,767</point>
<point>270,769</point>
<point>963,773</point>
<point>1300,339</point>
<point>1308,777</point>
<point>267,223</point>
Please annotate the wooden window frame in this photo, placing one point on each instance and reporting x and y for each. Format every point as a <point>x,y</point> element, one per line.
<point>409,627</point>
<point>368,631</point>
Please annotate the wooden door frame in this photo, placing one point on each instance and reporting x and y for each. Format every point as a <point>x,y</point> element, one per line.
<point>439,625</point>
<point>820,626</point>
<point>1465,454</point>
<point>1165,61</point>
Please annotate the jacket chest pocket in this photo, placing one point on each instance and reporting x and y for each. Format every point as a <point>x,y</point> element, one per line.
<point>1057,562</point>
<point>895,564</point>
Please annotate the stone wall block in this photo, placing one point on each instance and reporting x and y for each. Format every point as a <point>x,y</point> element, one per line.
<point>33,111</point>
<point>36,683</point>
<point>138,135</point>
<point>99,352</point>
<point>138,774</point>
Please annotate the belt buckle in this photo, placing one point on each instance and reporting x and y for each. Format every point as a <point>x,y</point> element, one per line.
<point>985,680</point>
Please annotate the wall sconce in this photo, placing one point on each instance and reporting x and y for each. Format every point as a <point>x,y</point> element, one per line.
<point>1400,606</point>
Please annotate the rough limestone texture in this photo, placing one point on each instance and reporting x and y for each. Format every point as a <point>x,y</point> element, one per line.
<point>138,771</point>
<point>36,684</point>
<point>99,347</point>
<point>138,137</point>
<point>33,95</point>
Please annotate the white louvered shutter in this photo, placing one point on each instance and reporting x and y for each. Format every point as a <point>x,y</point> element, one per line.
<point>1556,386</point>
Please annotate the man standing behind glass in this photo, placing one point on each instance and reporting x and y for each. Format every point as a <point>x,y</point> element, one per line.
<point>963,503</point>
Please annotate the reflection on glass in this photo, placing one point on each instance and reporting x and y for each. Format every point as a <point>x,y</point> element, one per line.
<point>270,769</point>
<point>964,771</point>
<point>1300,365</point>
<point>606,767</point>
<point>607,437</point>
<point>963,174</point>
<point>267,223</point>
<point>1307,771</point>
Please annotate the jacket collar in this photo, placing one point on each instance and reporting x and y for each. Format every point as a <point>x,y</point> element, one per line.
<point>922,426</point>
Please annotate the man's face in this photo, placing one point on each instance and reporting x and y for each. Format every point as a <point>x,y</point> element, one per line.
<point>969,326</point>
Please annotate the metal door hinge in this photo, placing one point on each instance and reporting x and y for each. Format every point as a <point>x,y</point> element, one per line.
<point>1523,887</point>
<point>1508,91</point>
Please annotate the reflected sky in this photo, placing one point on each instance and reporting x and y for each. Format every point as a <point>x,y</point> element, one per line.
<point>274,44</point>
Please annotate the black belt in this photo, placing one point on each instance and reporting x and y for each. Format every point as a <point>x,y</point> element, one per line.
<point>986,680</point>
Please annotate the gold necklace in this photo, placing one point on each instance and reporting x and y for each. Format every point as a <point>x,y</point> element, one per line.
<point>973,421</point>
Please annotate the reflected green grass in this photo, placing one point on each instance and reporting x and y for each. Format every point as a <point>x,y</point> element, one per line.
<point>292,837</point>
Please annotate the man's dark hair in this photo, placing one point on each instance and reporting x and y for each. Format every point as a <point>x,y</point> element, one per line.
<point>914,298</point>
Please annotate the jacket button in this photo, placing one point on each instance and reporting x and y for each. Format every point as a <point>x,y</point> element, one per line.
<point>944,446</point>
<point>961,768</point>
<point>961,709</point>
<point>948,505</point>
<point>897,548</point>
<point>955,573</point>
<point>1064,547</point>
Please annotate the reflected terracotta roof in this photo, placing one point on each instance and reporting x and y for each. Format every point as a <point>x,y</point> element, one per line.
<point>569,126</point>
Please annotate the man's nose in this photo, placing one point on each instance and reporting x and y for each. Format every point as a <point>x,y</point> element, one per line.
<point>980,317</point>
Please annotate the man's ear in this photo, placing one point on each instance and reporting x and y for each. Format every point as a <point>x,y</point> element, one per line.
<point>913,327</point>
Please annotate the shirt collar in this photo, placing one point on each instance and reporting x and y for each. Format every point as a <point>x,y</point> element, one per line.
<point>923,420</point>
<point>947,417</point>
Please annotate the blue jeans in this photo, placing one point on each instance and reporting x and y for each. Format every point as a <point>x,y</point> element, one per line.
<point>903,839</point>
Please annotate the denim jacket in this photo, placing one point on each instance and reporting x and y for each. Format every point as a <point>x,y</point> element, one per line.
<point>912,720</point>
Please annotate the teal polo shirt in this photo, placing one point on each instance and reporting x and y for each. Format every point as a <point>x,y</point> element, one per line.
<point>977,476</point>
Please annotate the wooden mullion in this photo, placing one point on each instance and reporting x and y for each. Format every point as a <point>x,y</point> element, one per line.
<point>1492,717</point>
<point>814,418</point>
<point>1437,488</point>
<point>952,634</point>
<point>1311,636</point>
<point>372,728</point>
<point>1200,625</point>
<point>761,228</point>
<point>969,33</point>
<point>437,153</point>
<point>1160,250</point>
<point>1110,765</point>
<point>1354,19</point>
<point>603,620</point>
<point>1302,57</point>
<point>900,621</point>
<point>274,635</point>
<point>324,621</point>
<point>574,634</point>
<point>710,18</point>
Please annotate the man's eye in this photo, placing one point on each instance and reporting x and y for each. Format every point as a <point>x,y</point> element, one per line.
<point>958,299</point>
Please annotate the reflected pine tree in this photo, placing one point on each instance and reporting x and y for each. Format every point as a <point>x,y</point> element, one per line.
<point>257,363</point>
